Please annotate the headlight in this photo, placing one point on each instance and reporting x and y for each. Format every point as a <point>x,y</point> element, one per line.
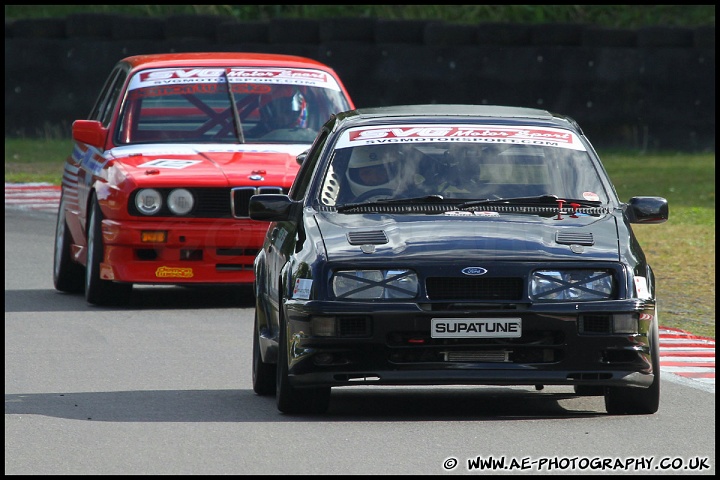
<point>375,284</point>
<point>572,285</point>
<point>180,201</point>
<point>148,201</point>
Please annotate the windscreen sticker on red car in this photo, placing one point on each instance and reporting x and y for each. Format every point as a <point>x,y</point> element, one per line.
<point>236,75</point>
<point>170,163</point>
<point>520,135</point>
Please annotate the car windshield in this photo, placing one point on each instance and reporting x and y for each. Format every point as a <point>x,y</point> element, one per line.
<point>272,105</point>
<point>437,169</point>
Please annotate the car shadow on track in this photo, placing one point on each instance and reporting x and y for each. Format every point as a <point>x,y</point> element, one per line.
<point>142,298</point>
<point>243,405</point>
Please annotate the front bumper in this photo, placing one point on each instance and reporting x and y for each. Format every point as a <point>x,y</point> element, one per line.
<point>199,251</point>
<point>395,348</point>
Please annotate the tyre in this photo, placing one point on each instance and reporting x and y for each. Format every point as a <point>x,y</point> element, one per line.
<point>97,291</point>
<point>68,275</point>
<point>638,401</point>
<point>291,399</point>
<point>263,374</point>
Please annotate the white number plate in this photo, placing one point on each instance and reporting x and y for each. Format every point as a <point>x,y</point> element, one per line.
<point>476,327</point>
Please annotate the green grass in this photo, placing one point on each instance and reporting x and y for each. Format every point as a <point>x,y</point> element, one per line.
<point>29,160</point>
<point>681,250</point>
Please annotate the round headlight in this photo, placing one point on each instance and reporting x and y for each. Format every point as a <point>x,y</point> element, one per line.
<point>180,201</point>
<point>148,201</point>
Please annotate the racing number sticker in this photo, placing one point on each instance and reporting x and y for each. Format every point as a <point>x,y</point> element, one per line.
<point>169,163</point>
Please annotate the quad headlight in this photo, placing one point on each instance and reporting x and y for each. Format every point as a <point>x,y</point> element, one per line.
<point>180,201</point>
<point>375,284</point>
<point>148,201</point>
<point>572,285</point>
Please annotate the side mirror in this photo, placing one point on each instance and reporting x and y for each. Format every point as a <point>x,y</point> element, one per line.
<point>647,210</point>
<point>89,131</point>
<point>273,207</point>
<point>302,157</point>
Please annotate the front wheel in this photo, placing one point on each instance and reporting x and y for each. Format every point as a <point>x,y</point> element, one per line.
<point>263,374</point>
<point>638,401</point>
<point>291,399</point>
<point>67,274</point>
<point>99,291</point>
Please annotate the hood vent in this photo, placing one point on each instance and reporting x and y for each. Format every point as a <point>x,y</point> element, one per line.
<point>374,237</point>
<point>575,238</point>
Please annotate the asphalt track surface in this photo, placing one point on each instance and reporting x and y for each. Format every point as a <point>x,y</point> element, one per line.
<point>688,357</point>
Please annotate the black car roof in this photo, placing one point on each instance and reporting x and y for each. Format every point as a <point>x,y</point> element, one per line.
<point>459,109</point>
<point>440,112</point>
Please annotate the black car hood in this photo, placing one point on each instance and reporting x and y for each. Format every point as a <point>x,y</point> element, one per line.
<point>519,237</point>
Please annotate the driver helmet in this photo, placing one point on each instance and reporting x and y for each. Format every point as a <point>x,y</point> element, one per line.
<point>373,167</point>
<point>289,110</point>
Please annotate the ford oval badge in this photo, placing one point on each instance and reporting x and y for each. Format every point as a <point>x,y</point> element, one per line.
<point>474,271</point>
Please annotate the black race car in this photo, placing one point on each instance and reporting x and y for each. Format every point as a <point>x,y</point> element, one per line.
<point>454,245</point>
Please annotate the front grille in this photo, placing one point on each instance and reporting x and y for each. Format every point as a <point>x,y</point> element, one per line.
<point>353,327</point>
<point>212,202</point>
<point>474,289</point>
<point>597,324</point>
<point>477,356</point>
<point>532,347</point>
<point>517,355</point>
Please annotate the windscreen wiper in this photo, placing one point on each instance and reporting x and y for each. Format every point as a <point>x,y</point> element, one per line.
<point>236,114</point>
<point>404,201</point>
<point>561,203</point>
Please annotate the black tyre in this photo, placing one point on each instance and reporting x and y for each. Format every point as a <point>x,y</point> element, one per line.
<point>263,374</point>
<point>289,398</point>
<point>638,401</point>
<point>68,275</point>
<point>98,291</point>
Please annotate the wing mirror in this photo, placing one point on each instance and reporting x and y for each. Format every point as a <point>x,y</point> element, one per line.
<point>647,210</point>
<point>302,157</point>
<point>89,131</point>
<point>273,207</point>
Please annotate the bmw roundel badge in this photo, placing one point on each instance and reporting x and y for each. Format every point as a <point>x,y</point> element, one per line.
<point>474,271</point>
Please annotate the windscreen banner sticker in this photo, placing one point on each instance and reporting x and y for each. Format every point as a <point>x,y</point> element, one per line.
<point>521,135</point>
<point>302,288</point>
<point>279,76</point>
<point>476,328</point>
<point>170,163</point>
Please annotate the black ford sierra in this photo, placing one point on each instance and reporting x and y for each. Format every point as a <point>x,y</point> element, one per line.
<point>454,245</point>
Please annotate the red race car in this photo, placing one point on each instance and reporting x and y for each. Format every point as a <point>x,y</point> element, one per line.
<point>157,186</point>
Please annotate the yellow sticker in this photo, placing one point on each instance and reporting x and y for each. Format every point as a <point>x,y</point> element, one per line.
<point>173,272</point>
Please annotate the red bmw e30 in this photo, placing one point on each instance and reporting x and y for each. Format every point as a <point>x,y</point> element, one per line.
<point>156,189</point>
